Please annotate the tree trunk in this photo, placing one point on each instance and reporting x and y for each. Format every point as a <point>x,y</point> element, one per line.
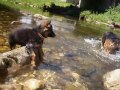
<point>79,5</point>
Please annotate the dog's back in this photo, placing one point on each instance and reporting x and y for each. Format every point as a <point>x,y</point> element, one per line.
<point>21,36</point>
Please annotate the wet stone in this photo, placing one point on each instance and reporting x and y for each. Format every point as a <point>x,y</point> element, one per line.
<point>33,84</point>
<point>112,80</point>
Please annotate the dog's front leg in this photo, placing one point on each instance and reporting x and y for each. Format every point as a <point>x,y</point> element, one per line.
<point>41,54</point>
<point>33,61</point>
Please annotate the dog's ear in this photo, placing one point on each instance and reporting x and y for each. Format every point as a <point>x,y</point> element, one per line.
<point>45,23</point>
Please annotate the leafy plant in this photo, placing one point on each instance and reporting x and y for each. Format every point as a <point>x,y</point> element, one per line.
<point>112,14</point>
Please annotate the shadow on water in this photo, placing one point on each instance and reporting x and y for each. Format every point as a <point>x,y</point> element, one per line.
<point>7,15</point>
<point>71,11</point>
<point>4,7</point>
<point>3,75</point>
<point>9,9</point>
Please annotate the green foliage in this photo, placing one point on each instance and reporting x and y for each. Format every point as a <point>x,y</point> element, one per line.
<point>25,5</point>
<point>85,13</point>
<point>112,14</point>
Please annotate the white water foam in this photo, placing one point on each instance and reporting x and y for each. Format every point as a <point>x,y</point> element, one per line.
<point>26,19</point>
<point>93,41</point>
<point>100,52</point>
<point>29,19</point>
<point>113,57</point>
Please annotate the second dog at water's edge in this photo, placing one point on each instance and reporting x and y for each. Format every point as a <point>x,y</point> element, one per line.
<point>110,42</point>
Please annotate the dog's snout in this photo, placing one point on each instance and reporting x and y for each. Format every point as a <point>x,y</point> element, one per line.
<point>52,34</point>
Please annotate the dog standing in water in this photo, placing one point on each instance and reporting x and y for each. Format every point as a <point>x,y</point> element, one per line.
<point>32,39</point>
<point>110,42</point>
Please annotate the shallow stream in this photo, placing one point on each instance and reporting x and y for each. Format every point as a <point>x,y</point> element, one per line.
<point>76,48</point>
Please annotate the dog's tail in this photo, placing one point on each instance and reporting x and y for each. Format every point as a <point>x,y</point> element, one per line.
<point>11,41</point>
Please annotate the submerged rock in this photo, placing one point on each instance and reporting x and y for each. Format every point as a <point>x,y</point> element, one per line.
<point>49,80</point>
<point>70,86</point>
<point>11,87</point>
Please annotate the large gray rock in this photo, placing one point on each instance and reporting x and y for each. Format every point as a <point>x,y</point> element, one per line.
<point>14,59</point>
<point>18,55</point>
<point>112,80</point>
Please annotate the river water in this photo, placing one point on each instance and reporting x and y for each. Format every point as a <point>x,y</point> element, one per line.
<point>76,47</point>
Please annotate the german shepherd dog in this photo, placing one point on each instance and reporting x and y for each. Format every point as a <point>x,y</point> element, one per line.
<point>110,42</point>
<point>35,37</point>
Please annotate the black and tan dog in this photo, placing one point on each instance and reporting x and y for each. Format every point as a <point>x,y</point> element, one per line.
<point>32,39</point>
<point>110,42</point>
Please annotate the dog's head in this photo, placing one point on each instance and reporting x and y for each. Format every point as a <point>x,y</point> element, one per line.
<point>108,35</point>
<point>47,29</point>
<point>111,45</point>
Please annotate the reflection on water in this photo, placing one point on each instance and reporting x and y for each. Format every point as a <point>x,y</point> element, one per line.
<point>64,25</point>
<point>89,29</point>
